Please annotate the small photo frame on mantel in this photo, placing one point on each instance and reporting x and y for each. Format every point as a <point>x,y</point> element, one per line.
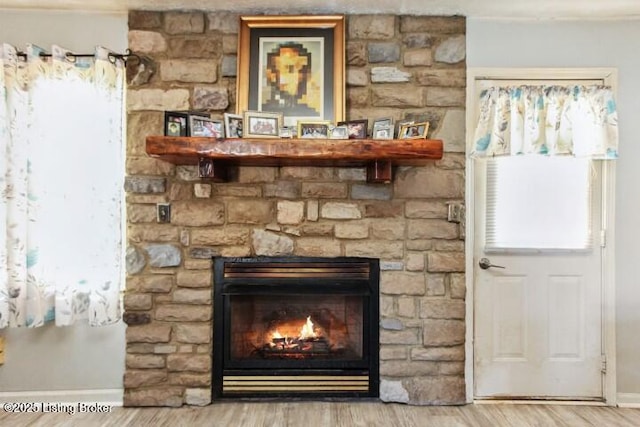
<point>233,125</point>
<point>205,126</point>
<point>339,132</point>
<point>399,125</point>
<point>382,128</point>
<point>383,132</point>
<point>313,129</point>
<point>357,128</point>
<point>176,123</point>
<point>258,124</point>
<point>288,132</point>
<point>414,131</point>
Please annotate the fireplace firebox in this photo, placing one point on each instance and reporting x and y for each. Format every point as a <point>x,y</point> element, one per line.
<point>295,327</point>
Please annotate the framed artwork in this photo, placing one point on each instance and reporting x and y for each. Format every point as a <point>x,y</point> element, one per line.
<point>176,123</point>
<point>357,128</point>
<point>233,125</point>
<point>256,124</point>
<point>414,131</point>
<point>318,129</point>
<point>205,126</point>
<point>294,65</point>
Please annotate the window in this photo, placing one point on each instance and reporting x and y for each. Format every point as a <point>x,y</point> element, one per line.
<point>538,202</point>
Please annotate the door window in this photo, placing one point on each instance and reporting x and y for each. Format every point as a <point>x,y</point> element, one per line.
<point>538,203</point>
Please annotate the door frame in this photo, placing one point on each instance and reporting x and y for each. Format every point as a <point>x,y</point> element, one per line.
<point>610,77</point>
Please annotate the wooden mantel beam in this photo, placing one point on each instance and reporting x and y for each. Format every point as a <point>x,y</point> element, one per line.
<point>374,153</point>
<point>256,151</point>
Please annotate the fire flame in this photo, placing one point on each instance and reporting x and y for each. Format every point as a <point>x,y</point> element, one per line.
<point>307,330</point>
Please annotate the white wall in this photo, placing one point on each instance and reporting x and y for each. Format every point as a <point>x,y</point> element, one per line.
<point>78,357</point>
<point>73,30</point>
<point>500,43</point>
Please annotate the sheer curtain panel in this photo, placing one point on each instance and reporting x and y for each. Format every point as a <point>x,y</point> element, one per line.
<point>61,173</point>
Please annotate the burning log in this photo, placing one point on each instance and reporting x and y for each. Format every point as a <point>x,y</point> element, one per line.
<point>309,343</point>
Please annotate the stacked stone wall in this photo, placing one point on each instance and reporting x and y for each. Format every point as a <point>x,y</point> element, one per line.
<point>405,67</point>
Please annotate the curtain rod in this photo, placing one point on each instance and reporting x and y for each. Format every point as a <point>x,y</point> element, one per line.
<point>72,56</point>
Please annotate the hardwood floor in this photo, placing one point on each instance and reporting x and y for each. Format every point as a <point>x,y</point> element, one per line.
<point>338,414</point>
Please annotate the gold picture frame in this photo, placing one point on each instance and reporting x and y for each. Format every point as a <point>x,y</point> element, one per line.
<point>414,131</point>
<point>266,46</point>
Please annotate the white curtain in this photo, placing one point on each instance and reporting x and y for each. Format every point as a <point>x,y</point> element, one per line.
<point>552,120</point>
<point>61,173</point>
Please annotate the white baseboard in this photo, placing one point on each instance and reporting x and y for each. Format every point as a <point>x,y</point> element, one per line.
<point>111,397</point>
<point>628,400</point>
<point>538,402</point>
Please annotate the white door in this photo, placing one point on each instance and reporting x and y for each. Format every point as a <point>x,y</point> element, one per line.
<point>538,320</point>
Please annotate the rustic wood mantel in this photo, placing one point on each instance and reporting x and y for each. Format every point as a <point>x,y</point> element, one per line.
<point>215,155</point>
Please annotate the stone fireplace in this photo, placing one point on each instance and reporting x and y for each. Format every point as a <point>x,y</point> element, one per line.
<point>397,66</point>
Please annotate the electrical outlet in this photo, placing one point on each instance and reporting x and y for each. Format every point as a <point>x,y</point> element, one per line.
<point>164,213</point>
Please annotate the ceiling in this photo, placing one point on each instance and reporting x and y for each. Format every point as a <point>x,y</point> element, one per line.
<point>547,9</point>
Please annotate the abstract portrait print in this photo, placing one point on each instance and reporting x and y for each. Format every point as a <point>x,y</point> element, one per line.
<point>291,77</point>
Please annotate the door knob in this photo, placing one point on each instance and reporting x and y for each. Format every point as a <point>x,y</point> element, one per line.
<point>484,263</point>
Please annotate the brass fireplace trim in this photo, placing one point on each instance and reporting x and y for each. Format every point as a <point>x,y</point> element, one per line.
<point>296,270</point>
<point>298,383</point>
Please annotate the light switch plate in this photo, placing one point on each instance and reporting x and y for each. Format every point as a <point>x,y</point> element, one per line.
<point>164,213</point>
<point>455,213</point>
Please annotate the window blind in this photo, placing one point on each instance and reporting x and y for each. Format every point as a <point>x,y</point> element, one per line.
<point>538,202</point>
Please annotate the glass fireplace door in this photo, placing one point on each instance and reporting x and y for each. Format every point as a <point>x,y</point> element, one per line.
<point>285,328</point>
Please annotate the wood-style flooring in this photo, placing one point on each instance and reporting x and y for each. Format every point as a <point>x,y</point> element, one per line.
<point>339,414</point>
